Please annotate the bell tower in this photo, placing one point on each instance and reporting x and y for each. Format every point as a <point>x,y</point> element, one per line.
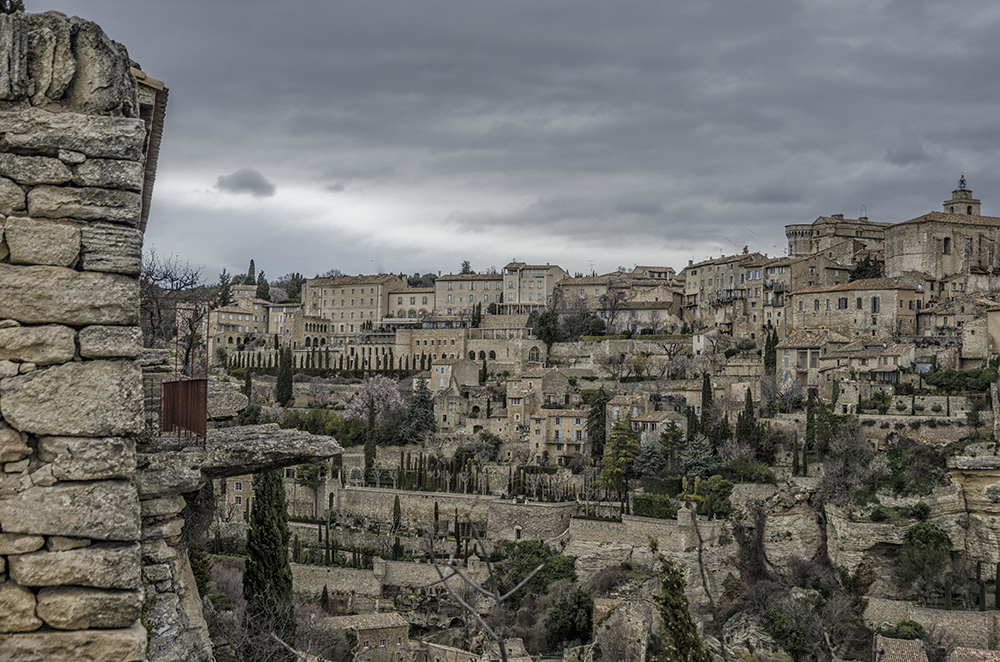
<point>962,201</point>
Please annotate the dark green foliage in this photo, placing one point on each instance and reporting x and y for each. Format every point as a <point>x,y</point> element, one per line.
<point>263,288</point>
<point>597,422</point>
<point>545,326</point>
<point>716,491</point>
<point>650,460</point>
<point>913,469</point>
<point>706,402</point>
<point>570,620</point>
<point>796,469</point>
<point>11,6</point>
<point>866,268</point>
<point>347,431</point>
<point>248,385</point>
<point>908,630</point>
<point>659,506</point>
<point>223,291</point>
<point>517,560</point>
<point>924,562</point>
<point>267,581</point>
<point>787,630</point>
<point>201,566</point>
<point>283,384</point>
<point>397,515</point>
<point>698,458</point>
<point>418,417</point>
<point>619,456</point>
<point>975,380</point>
<point>249,416</point>
<point>681,642</point>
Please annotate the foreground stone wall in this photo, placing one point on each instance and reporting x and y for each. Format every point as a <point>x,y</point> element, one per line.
<point>72,159</point>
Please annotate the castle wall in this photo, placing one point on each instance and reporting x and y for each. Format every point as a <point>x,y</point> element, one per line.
<point>72,166</point>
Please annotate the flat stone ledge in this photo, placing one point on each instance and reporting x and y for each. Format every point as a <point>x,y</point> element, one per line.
<point>124,645</point>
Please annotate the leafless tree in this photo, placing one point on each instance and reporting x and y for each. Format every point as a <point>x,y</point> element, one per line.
<point>613,363</point>
<point>611,304</point>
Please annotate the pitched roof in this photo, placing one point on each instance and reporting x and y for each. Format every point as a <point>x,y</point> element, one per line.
<point>376,279</point>
<point>447,277</point>
<point>811,338</point>
<point>899,650</point>
<point>958,219</point>
<point>962,654</point>
<point>373,620</point>
<point>866,284</point>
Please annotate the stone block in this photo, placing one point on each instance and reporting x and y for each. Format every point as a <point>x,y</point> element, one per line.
<point>14,66</point>
<point>101,566</point>
<point>103,83</point>
<point>12,444</point>
<point>87,458</point>
<point>92,135</point>
<point>33,170</point>
<point>106,342</point>
<point>41,345</point>
<point>17,604</point>
<point>109,173</point>
<point>102,510</point>
<point>12,197</point>
<point>42,295</point>
<point>17,543</point>
<point>167,506</point>
<point>157,573</point>
<point>25,367</point>
<point>168,529</point>
<point>126,645</point>
<point>77,608</point>
<point>16,467</point>
<point>51,63</point>
<point>71,157</point>
<point>31,241</point>
<point>111,248</point>
<point>85,204</point>
<point>61,543</point>
<point>7,369</point>
<point>157,551</point>
<point>92,398</point>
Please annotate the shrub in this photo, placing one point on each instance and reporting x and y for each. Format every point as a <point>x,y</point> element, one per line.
<point>936,408</point>
<point>908,630</point>
<point>879,514</point>
<point>900,406</point>
<point>920,511</point>
<point>659,506</point>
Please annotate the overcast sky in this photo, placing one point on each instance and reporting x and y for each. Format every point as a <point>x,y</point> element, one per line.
<point>409,135</point>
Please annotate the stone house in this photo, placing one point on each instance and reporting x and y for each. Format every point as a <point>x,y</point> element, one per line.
<point>284,320</point>
<point>963,654</point>
<point>652,425</point>
<point>876,307</point>
<point>899,650</point>
<point>350,303</point>
<point>528,287</point>
<point>556,436</point>
<point>799,355</point>
<point>457,295</point>
<point>458,372</point>
<point>867,361</point>
<point>529,391</point>
<point>834,233</point>
<point>243,321</point>
<point>412,303</point>
<point>379,636</point>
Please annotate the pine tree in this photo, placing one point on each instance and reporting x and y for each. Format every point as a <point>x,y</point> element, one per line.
<point>698,458</point>
<point>263,288</point>
<point>418,419</point>
<point>680,635</point>
<point>267,580</point>
<point>597,423</point>
<point>251,274</point>
<point>224,291</point>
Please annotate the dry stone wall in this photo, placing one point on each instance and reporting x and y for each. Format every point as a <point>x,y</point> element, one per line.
<point>72,161</point>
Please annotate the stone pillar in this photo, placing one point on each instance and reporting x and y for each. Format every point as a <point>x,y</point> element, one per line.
<point>72,168</point>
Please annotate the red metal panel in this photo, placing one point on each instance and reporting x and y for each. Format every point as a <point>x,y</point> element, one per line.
<point>185,406</point>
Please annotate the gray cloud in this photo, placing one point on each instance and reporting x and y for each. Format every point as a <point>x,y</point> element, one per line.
<point>246,180</point>
<point>570,130</point>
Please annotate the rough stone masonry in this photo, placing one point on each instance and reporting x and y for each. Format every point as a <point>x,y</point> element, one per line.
<point>73,167</point>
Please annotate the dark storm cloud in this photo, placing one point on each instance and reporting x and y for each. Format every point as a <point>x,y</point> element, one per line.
<point>246,180</point>
<point>566,130</point>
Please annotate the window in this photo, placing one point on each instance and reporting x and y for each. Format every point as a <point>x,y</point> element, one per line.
<point>239,486</point>
<point>238,500</point>
<point>874,304</point>
<point>947,246</point>
<point>859,303</point>
<point>815,304</point>
<point>382,643</point>
<point>558,420</point>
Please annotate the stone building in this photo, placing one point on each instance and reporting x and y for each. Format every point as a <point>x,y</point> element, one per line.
<point>349,303</point>
<point>528,287</point>
<point>411,303</point>
<point>457,295</point>
<point>844,237</point>
<point>799,355</point>
<point>380,636</point>
<point>556,436</point>
<point>874,308</point>
<point>529,391</point>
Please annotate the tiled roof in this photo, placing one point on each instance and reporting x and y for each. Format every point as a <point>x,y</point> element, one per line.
<point>961,654</point>
<point>370,621</point>
<point>560,413</point>
<point>959,219</point>
<point>377,279</point>
<point>812,338</point>
<point>867,284</point>
<point>447,277</point>
<point>899,650</point>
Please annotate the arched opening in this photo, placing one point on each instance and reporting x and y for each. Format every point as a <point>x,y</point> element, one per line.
<point>968,210</point>
<point>308,342</point>
<point>482,355</point>
<point>230,340</point>
<point>472,355</point>
<point>947,246</point>
<point>493,354</point>
<point>322,342</point>
<point>534,354</point>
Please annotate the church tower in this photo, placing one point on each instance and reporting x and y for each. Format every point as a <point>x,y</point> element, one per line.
<point>962,201</point>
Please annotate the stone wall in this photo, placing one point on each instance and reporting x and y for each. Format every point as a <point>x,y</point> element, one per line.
<point>72,163</point>
<point>973,629</point>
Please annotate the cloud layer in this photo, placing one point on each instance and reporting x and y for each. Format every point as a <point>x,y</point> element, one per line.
<point>409,136</point>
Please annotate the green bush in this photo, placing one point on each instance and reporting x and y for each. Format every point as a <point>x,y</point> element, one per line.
<point>879,514</point>
<point>659,506</point>
<point>908,630</point>
<point>975,380</point>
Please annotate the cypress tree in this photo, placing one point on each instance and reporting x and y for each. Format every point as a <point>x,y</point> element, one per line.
<point>283,385</point>
<point>248,385</point>
<point>680,635</point>
<point>795,454</point>
<point>267,581</point>
<point>805,460</point>
<point>692,423</point>
<point>370,437</point>
<point>397,515</point>
<point>706,402</point>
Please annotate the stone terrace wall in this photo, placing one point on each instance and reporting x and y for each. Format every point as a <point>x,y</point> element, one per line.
<point>71,174</point>
<point>974,629</point>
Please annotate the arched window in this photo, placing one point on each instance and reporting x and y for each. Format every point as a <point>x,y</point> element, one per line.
<point>482,355</point>
<point>472,355</point>
<point>322,342</point>
<point>308,342</point>
<point>947,246</point>
<point>534,354</point>
<point>230,340</point>
<point>968,210</point>
<point>493,354</point>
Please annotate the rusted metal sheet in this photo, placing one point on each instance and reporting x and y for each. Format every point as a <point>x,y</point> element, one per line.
<point>185,407</point>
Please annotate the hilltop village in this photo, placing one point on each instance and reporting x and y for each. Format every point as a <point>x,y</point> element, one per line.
<point>787,430</point>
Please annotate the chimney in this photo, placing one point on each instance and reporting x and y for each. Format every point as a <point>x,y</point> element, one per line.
<point>839,217</point>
